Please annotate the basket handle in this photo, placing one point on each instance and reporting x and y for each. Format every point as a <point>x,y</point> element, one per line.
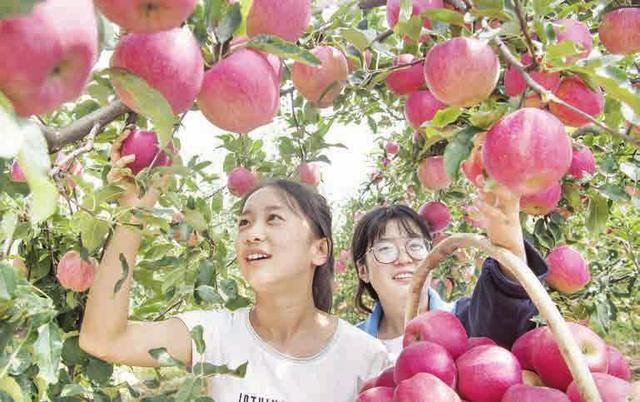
<point>514,265</point>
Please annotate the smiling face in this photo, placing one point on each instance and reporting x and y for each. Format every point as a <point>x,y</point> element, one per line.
<point>391,280</point>
<point>275,244</point>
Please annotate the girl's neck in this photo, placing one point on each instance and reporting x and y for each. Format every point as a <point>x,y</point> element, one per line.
<point>279,318</point>
<point>392,321</point>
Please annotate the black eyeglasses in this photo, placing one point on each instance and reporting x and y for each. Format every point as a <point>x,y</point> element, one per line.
<point>386,252</point>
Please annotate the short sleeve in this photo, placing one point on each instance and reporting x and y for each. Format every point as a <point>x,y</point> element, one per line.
<point>212,323</point>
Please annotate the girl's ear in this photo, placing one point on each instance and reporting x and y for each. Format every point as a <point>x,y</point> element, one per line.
<point>320,252</point>
<point>363,272</point>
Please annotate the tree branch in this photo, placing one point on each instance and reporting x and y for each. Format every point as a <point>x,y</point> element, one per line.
<point>77,152</point>
<point>58,138</point>
<point>504,50</point>
<point>523,27</point>
<point>381,37</point>
<point>369,4</point>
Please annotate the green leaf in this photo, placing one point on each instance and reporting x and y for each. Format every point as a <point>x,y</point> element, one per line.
<point>598,214</point>
<point>198,339</point>
<point>99,371</point>
<point>631,170</point>
<point>214,10</point>
<point>208,369</point>
<point>8,224</point>
<point>125,274</point>
<point>411,28</point>
<point>148,102</point>
<point>48,349</point>
<point>562,49</point>
<point>357,38</point>
<point>164,358</point>
<point>189,390</point>
<point>196,219</point>
<point>458,150</point>
<point>13,8</point>
<point>34,161</point>
<point>230,22</point>
<point>446,116</point>
<point>104,194</point>
<point>541,7</point>
<point>283,49</point>
<point>615,83</point>
<point>209,294</point>
<point>92,231</point>
<point>9,386</point>
<point>71,352</point>
<point>71,390</point>
<point>445,15</point>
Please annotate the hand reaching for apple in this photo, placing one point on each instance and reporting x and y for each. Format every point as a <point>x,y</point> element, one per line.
<point>130,198</point>
<point>498,212</point>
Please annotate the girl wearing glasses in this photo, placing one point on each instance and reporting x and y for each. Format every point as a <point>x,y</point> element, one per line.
<point>388,244</point>
<point>295,349</point>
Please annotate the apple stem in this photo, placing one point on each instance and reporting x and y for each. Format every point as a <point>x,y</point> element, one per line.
<point>519,270</point>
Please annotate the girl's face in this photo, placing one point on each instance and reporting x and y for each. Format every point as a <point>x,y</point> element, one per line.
<point>275,245</point>
<point>389,276</point>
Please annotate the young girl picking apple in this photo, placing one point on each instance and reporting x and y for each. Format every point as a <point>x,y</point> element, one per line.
<point>388,244</point>
<point>288,338</point>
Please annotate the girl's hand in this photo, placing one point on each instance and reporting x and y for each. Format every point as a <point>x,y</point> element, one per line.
<point>498,212</point>
<point>130,198</point>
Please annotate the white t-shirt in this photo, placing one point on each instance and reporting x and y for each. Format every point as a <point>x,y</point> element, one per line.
<point>332,375</point>
<point>393,346</point>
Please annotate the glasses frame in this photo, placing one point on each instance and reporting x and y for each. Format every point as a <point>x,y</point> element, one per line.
<point>406,249</point>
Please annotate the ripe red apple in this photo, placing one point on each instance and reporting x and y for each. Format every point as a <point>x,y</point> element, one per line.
<point>241,180</point>
<point>405,80</point>
<point>425,357</point>
<point>74,273</point>
<point>618,366</point>
<point>46,57</point>
<point>461,71</point>
<point>431,173</point>
<point>322,84</point>
<point>527,151</point>
<point>274,60</point>
<point>377,394</point>
<point>542,202</point>
<point>309,173</point>
<point>531,378</point>
<point>386,378</point>
<point>16,174</point>
<point>486,372</point>
<point>169,61</point>
<point>573,30</point>
<point>144,145</point>
<point>418,7</point>
<point>550,365</point>
<point>241,92</point>
<point>611,389</point>
<point>576,93</point>
<point>514,83</point>
<point>620,30</point>
<point>473,167</point>
<point>439,327</point>
<point>568,271</point>
<point>523,347</point>
<point>528,393</point>
<point>392,148</point>
<point>147,15</point>
<point>479,340</point>
<point>424,387</point>
<point>286,19</point>
<point>582,161</point>
<point>436,215</point>
<point>421,106</point>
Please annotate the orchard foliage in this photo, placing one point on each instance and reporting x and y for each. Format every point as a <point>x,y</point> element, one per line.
<point>341,65</point>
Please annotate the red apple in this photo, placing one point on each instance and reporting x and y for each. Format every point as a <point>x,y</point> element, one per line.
<point>241,180</point>
<point>309,173</point>
<point>424,387</point>
<point>46,57</point>
<point>486,372</point>
<point>461,71</point>
<point>386,378</point>
<point>618,366</point>
<point>377,394</point>
<point>582,161</point>
<point>479,340</point>
<point>169,61</point>
<point>473,167</point>
<point>405,80</point>
<point>436,215</point>
<point>573,30</point>
<point>576,93</point>
<point>514,83</point>
<point>620,30</point>
<point>439,327</point>
<point>611,389</point>
<point>286,19</point>
<point>527,151</point>
<point>528,393</point>
<point>392,148</point>
<point>432,175</point>
<point>568,271</point>
<point>421,106</point>
<point>550,365</point>
<point>542,202</point>
<point>523,347</point>
<point>74,273</point>
<point>418,7</point>
<point>144,145</point>
<point>16,174</point>
<point>241,92</point>
<point>147,15</point>
<point>425,357</point>
<point>322,84</point>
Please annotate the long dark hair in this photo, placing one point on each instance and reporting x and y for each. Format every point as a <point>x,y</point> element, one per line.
<point>315,209</point>
<point>371,227</point>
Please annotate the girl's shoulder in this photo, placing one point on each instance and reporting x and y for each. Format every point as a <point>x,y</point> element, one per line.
<point>357,339</point>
